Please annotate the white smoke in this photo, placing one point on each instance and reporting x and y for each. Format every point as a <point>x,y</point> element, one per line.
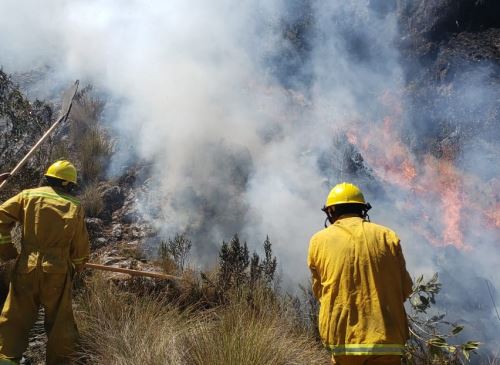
<point>237,104</point>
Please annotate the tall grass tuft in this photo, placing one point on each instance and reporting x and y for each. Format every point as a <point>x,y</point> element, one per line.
<point>123,328</point>
<point>120,328</point>
<point>88,138</point>
<point>95,150</point>
<point>252,333</point>
<point>91,200</point>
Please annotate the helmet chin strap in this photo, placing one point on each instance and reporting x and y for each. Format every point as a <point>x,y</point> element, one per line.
<point>331,219</point>
<point>326,220</point>
<point>365,212</point>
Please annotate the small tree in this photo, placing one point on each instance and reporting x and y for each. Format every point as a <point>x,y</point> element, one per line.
<point>233,262</point>
<point>270,264</point>
<point>176,250</point>
<point>263,270</point>
<point>255,269</point>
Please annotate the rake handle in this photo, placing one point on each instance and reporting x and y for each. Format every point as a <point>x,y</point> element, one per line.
<point>155,275</point>
<point>41,140</point>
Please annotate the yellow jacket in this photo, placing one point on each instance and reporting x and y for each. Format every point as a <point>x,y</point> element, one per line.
<point>360,279</point>
<point>54,235</point>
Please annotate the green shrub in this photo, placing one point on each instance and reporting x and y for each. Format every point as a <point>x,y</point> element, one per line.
<point>430,336</point>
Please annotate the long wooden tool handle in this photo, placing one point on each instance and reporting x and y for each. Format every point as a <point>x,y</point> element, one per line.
<point>156,275</point>
<point>64,116</point>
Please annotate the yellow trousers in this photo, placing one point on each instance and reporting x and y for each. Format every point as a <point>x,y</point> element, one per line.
<point>27,292</point>
<point>367,360</point>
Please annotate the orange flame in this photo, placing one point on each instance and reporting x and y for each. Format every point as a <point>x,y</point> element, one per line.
<point>451,192</point>
<point>392,162</point>
<point>493,216</point>
<point>389,157</point>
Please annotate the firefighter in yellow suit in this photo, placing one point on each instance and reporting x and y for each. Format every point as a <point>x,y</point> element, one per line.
<point>54,245</point>
<point>360,279</point>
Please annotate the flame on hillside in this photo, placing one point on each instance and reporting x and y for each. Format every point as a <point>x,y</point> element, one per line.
<point>436,180</point>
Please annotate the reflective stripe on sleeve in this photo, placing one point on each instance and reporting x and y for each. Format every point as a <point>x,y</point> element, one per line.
<point>8,362</point>
<point>366,349</point>
<point>5,239</point>
<point>78,261</point>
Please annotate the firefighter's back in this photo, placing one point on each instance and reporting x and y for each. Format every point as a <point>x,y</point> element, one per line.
<point>50,219</point>
<point>364,283</point>
<point>54,244</point>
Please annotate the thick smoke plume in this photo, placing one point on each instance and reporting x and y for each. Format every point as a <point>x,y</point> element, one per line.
<point>250,111</point>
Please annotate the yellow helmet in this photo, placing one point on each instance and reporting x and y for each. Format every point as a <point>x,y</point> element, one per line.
<point>63,170</point>
<point>345,193</point>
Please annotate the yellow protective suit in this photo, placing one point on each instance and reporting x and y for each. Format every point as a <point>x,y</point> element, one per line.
<point>360,279</point>
<point>54,242</point>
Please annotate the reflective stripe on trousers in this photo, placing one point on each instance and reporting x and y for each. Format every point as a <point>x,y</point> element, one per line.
<point>366,349</point>
<point>366,360</point>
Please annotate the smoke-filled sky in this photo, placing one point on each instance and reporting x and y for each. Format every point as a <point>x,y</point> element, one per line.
<point>250,111</point>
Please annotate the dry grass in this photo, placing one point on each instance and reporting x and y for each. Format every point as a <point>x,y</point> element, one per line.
<point>60,151</point>
<point>91,200</point>
<point>122,328</point>
<point>92,145</point>
<point>95,148</point>
<point>239,334</point>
